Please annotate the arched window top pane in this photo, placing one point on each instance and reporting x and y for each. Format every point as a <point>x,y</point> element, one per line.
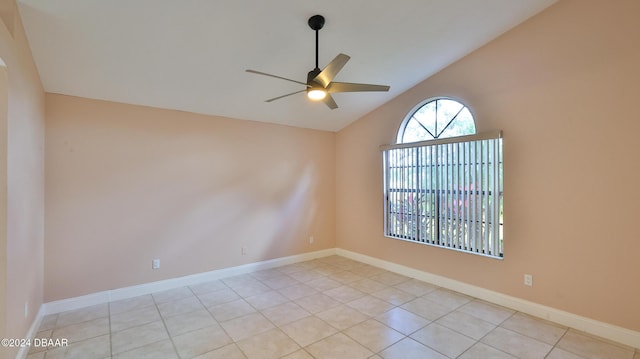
<point>437,118</point>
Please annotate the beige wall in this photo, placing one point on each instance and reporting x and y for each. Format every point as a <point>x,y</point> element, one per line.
<point>126,184</point>
<point>22,182</point>
<point>564,88</point>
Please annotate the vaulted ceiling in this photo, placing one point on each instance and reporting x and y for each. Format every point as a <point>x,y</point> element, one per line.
<point>191,55</point>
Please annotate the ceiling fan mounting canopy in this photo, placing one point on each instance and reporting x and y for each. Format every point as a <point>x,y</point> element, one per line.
<point>316,22</point>
<point>320,84</point>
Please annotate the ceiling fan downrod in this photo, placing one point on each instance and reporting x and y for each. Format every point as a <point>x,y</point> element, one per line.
<point>316,22</point>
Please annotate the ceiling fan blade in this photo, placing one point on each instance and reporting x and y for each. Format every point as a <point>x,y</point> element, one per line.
<point>331,70</point>
<point>330,102</point>
<point>350,87</point>
<point>278,77</point>
<point>279,97</point>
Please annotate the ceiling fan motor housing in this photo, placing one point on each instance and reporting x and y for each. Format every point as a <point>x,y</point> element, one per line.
<point>312,75</point>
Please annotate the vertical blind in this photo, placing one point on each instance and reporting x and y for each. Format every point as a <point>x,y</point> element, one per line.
<point>446,192</point>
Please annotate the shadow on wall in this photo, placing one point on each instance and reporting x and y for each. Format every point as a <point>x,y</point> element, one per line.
<point>264,212</point>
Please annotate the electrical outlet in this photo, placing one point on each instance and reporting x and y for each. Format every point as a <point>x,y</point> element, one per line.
<point>26,309</point>
<point>311,240</point>
<point>528,280</point>
<point>243,250</point>
<point>155,264</point>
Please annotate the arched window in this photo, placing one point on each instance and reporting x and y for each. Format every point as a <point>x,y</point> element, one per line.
<point>443,182</point>
<point>436,118</point>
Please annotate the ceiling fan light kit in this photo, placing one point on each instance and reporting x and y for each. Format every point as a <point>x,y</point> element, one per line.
<point>320,84</point>
<point>316,94</point>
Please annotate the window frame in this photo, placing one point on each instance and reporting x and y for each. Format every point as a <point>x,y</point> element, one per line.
<point>488,220</point>
<point>416,108</point>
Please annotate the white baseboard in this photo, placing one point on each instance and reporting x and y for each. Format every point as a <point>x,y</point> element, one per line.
<point>33,330</point>
<point>601,329</point>
<point>148,288</point>
<point>588,325</point>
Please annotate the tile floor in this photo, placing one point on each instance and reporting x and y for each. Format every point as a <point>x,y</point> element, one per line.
<point>331,307</point>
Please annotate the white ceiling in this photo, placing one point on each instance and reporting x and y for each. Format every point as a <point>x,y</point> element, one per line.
<point>191,55</point>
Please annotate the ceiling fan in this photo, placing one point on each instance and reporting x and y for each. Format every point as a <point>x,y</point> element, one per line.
<point>320,84</point>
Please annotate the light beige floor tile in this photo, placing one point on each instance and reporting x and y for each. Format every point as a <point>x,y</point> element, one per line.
<point>516,344</point>
<point>344,294</point>
<point>218,297</point>
<point>347,264</point>
<point>327,269</point>
<point>590,347</point>
<point>298,291</point>
<point>317,303</point>
<point>466,324</point>
<point>172,295</point>
<point>447,298</point>
<point>43,334</point>
<point>342,317</point>
<point>285,313</point>
<point>390,278</point>
<point>308,330</point>
<point>402,320</point>
<point>94,348</point>
<point>230,351</point>
<point>535,328</point>
<point>82,315</point>
<point>252,289</point>
<point>489,312</point>
<point>246,326</point>
<point>231,310</point>
<point>558,353</point>
<point>482,351</point>
<point>368,286</point>
<point>48,322</point>
<point>185,323</point>
<point>426,308</point>
<point>443,340</point>
<point>266,274</point>
<point>81,331</point>
<point>370,305</point>
<point>39,355</point>
<point>291,268</point>
<point>394,295</point>
<point>364,310</point>
<point>266,299</point>
<point>136,337</point>
<point>125,305</point>
<point>374,335</point>
<point>338,346</point>
<point>270,344</point>
<point>410,349</point>
<point>300,354</point>
<point>180,306</point>
<point>280,281</point>
<point>366,270</point>
<point>207,287</point>
<point>306,275</point>
<point>201,341</point>
<point>134,318</point>
<point>242,280</point>
<point>324,283</point>
<point>345,277</point>
<point>159,350</point>
<point>416,287</point>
